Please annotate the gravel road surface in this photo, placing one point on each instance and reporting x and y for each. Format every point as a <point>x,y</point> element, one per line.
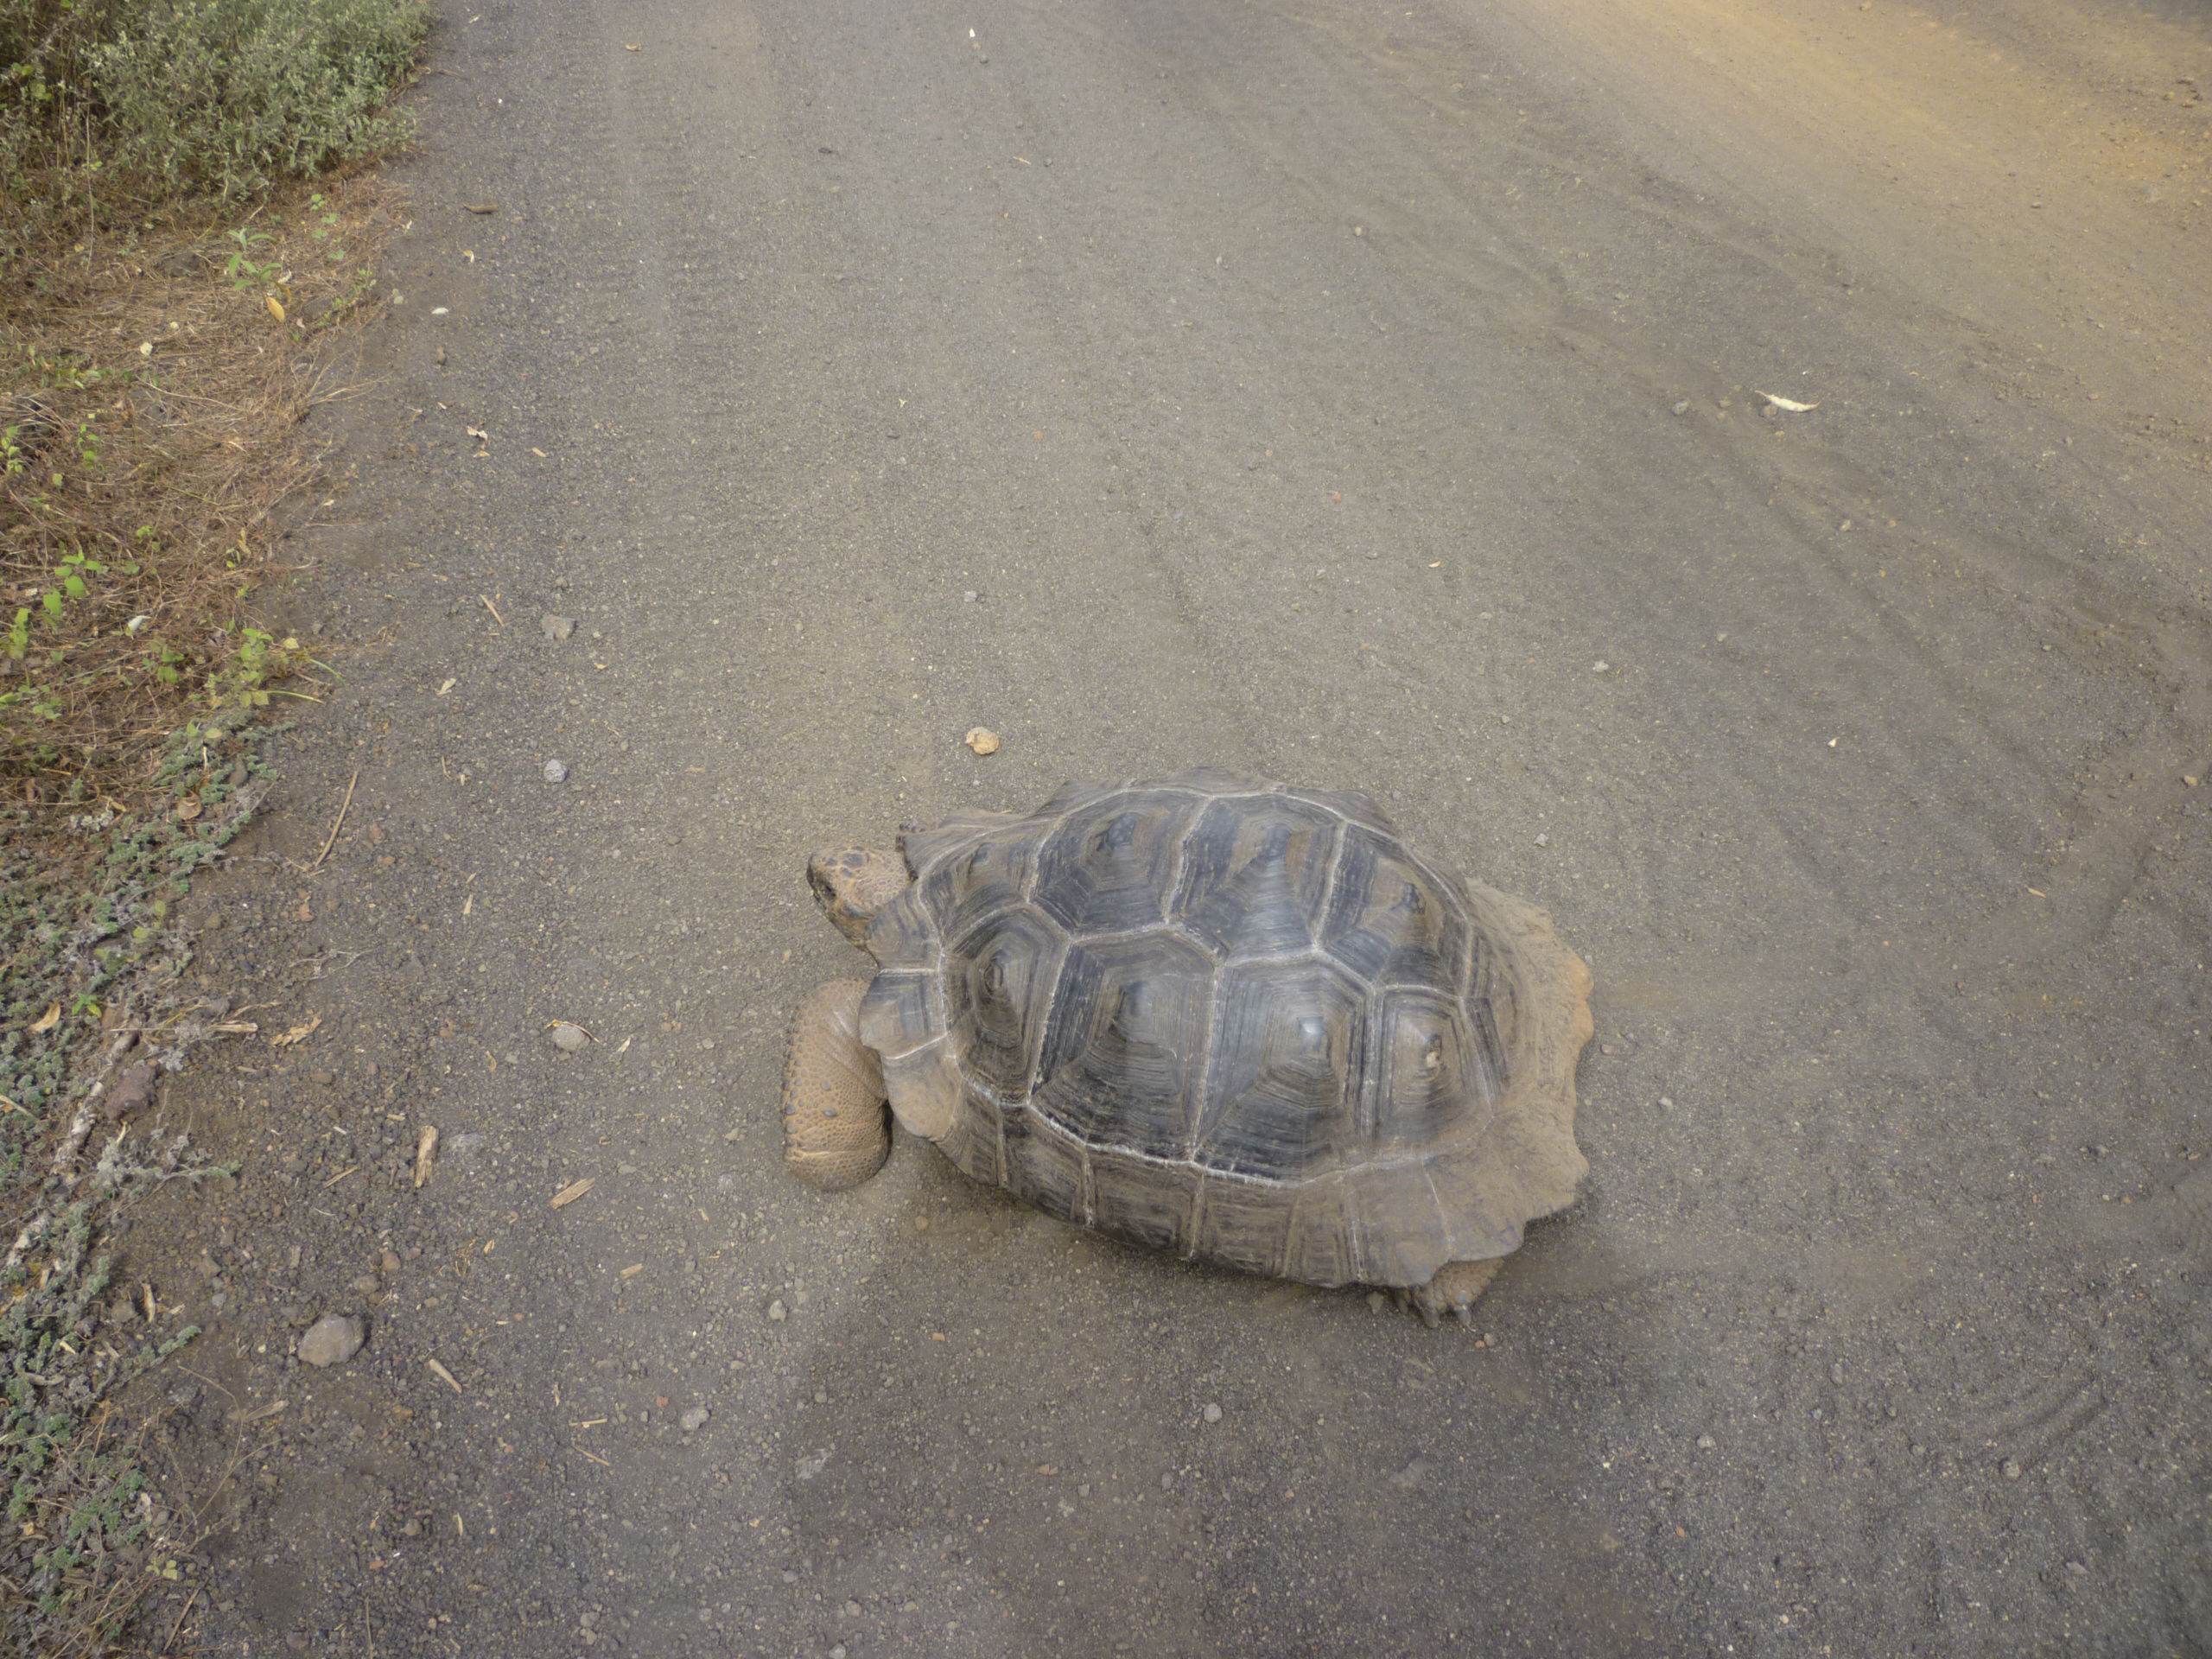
<point>1400,397</point>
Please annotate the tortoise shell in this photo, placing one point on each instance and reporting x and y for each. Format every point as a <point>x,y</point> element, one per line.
<point>1243,1022</point>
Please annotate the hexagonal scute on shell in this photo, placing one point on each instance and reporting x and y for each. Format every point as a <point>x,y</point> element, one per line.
<point>1391,922</point>
<point>1255,874</point>
<point>999,979</point>
<point>988,874</point>
<point>1107,867</point>
<point>1433,1078</point>
<point>1283,1086</point>
<point>1122,1063</point>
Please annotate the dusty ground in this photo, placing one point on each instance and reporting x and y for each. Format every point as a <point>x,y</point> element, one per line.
<point>1366,396</point>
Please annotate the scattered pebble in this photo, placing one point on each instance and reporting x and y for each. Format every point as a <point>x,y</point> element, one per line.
<point>694,1419</point>
<point>1683,407</point>
<point>2011,1468</point>
<point>567,1038</point>
<point>776,1309</point>
<point>1543,840</point>
<point>557,627</point>
<point>1599,667</point>
<point>1705,1442</point>
<point>852,1610</point>
<point>131,1092</point>
<point>332,1340</point>
<point>968,598</point>
<point>982,739</point>
<point>1413,1473</point>
<point>1213,1413</point>
<point>557,771</point>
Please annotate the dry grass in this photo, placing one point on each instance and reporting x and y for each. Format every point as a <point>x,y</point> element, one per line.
<point>153,388</point>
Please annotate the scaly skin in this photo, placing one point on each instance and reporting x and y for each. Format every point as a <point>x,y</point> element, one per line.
<point>1453,1290</point>
<point>852,883</point>
<point>836,1132</point>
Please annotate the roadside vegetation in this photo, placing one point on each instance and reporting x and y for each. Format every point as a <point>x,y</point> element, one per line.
<point>188,240</point>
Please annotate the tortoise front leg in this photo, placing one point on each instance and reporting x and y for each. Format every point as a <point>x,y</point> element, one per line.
<point>837,1133</point>
<point>1454,1288</point>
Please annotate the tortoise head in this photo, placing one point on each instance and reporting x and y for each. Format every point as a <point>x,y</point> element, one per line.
<point>852,883</point>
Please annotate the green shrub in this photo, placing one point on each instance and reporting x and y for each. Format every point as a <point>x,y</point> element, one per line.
<point>232,93</point>
<point>220,94</point>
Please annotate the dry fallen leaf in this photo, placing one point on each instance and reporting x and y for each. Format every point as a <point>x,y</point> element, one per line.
<point>187,810</point>
<point>574,1191</point>
<point>982,739</point>
<point>482,206</point>
<point>539,452</point>
<point>444,1375</point>
<point>276,307</point>
<point>49,1020</point>
<point>632,1272</point>
<point>426,1151</point>
<point>1789,404</point>
<point>296,1034</point>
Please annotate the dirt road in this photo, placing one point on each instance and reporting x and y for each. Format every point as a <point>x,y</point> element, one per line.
<point>1386,397</point>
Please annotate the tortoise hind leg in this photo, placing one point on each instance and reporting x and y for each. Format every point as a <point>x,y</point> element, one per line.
<point>837,1133</point>
<point>1454,1289</point>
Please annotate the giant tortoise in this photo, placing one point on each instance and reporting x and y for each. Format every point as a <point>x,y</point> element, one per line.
<point>1242,1021</point>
